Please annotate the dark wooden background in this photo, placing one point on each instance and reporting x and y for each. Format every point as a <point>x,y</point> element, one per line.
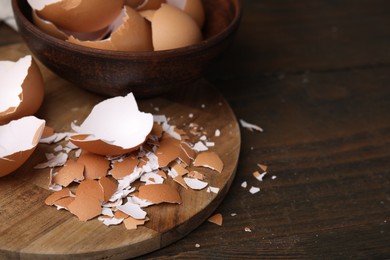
<point>315,74</point>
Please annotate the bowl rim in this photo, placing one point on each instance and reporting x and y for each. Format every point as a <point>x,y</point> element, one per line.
<point>204,44</point>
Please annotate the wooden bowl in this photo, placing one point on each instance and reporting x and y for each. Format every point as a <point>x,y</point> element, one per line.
<point>145,74</point>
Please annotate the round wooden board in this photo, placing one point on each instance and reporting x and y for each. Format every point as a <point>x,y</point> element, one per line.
<point>30,229</point>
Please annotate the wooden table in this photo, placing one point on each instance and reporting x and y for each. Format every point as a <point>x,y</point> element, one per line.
<point>315,75</point>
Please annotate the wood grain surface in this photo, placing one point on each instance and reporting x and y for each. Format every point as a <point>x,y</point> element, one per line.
<point>31,229</point>
<point>315,75</point>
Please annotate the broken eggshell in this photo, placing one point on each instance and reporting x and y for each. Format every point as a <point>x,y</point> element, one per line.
<point>130,32</point>
<point>173,28</point>
<point>22,89</point>
<point>18,140</point>
<point>51,29</point>
<point>114,127</point>
<point>78,16</point>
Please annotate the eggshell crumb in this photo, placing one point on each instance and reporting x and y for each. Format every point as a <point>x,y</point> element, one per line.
<point>216,219</point>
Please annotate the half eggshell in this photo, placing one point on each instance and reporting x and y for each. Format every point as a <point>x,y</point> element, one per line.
<point>22,89</point>
<point>18,140</point>
<point>78,15</point>
<point>114,127</point>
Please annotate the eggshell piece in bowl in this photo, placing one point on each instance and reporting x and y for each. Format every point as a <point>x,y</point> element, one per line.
<point>22,89</point>
<point>131,33</point>
<point>173,28</point>
<point>112,124</point>
<point>78,15</point>
<point>51,29</point>
<point>192,7</point>
<point>18,140</point>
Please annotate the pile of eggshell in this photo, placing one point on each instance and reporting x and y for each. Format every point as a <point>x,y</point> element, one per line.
<point>22,92</point>
<point>122,25</point>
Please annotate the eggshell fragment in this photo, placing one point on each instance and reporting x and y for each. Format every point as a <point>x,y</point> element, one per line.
<point>159,193</point>
<point>108,186</point>
<point>77,15</point>
<point>133,210</point>
<point>51,29</point>
<point>132,223</point>
<point>18,140</point>
<point>196,175</point>
<point>115,123</point>
<point>70,172</point>
<point>192,7</point>
<point>210,160</point>
<point>57,195</point>
<point>96,166</point>
<point>22,89</point>
<point>90,188</point>
<point>120,169</point>
<point>63,203</point>
<point>85,207</point>
<point>168,151</point>
<point>48,27</point>
<point>133,33</point>
<point>216,219</point>
<point>195,184</point>
<point>173,28</point>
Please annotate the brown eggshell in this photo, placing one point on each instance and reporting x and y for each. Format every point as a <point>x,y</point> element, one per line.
<point>173,28</point>
<point>99,147</point>
<point>115,126</point>
<point>90,188</point>
<point>123,168</point>
<point>210,160</point>
<point>71,171</point>
<point>168,151</point>
<point>48,27</point>
<point>159,193</point>
<point>82,16</point>
<point>95,166</point>
<point>108,186</point>
<point>51,29</point>
<point>192,7</point>
<point>31,97</point>
<point>11,162</point>
<point>133,34</point>
<point>57,195</point>
<point>85,207</point>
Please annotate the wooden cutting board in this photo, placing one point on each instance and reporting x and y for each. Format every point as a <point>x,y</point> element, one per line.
<point>31,229</point>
